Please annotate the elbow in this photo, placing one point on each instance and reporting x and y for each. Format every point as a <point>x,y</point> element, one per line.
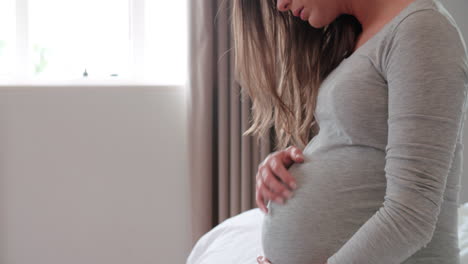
<point>429,235</point>
<point>415,223</point>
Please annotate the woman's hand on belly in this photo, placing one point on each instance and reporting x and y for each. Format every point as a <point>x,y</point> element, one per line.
<point>262,260</point>
<point>273,178</point>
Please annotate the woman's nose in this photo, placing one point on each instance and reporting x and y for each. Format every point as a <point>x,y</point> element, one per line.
<point>283,5</point>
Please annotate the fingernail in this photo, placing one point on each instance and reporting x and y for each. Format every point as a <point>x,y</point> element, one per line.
<point>293,185</point>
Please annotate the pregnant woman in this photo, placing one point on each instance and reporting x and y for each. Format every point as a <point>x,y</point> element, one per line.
<point>373,93</point>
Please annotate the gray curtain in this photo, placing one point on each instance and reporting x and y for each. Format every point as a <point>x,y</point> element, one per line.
<point>222,162</point>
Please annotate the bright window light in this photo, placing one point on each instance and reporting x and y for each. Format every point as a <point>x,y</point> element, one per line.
<point>137,41</point>
<point>164,59</point>
<point>7,38</point>
<point>75,36</point>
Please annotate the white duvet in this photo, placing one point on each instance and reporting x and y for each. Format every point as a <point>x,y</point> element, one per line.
<point>237,240</point>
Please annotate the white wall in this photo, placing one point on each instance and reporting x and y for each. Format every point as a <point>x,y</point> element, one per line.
<point>93,175</point>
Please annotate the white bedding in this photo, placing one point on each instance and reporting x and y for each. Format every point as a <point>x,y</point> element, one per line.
<point>237,240</point>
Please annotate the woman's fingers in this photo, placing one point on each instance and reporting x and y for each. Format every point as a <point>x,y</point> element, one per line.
<point>263,260</point>
<point>273,184</point>
<point>280,171</point>
<point>291,155</point>
<point>266,193</point>
<point>273,180</point>
<point>269,195</point>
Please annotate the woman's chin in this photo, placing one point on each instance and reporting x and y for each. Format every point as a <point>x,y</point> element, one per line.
<point>316,24</point>
<point>317,20</point>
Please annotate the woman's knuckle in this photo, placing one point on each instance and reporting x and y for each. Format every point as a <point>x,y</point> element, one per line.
<point>268,178</point>
<point>259,181</point>
<point>261,166</point>
<point>279,169</point>
<point>274,164</point>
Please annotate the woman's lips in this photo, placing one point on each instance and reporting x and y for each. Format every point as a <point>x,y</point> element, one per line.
<point>301,14</point>
<point>297,12</point>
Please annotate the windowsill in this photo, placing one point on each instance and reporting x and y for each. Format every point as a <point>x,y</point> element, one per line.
<point>89,83</point>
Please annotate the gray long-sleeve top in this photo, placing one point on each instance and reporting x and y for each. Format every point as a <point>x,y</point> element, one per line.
<point>380,182</point>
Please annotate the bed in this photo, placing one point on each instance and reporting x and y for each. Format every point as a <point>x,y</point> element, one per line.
<point>237,240</point>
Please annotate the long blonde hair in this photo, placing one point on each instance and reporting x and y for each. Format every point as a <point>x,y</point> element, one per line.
<point>280,62</point>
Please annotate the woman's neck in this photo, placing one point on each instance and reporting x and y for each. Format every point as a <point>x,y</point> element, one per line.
<point>372,13</point>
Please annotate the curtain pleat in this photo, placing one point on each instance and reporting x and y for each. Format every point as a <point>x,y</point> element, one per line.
<point>222,163</point>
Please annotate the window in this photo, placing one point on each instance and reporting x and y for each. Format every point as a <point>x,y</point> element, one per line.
<point>102,40</point>
<point>7,38</point>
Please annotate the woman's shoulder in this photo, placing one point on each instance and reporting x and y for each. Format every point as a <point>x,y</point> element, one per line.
<point>429,32</point>
<point>431,22</point>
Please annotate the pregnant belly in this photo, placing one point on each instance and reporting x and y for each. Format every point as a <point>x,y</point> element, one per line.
<point>338,190</point>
